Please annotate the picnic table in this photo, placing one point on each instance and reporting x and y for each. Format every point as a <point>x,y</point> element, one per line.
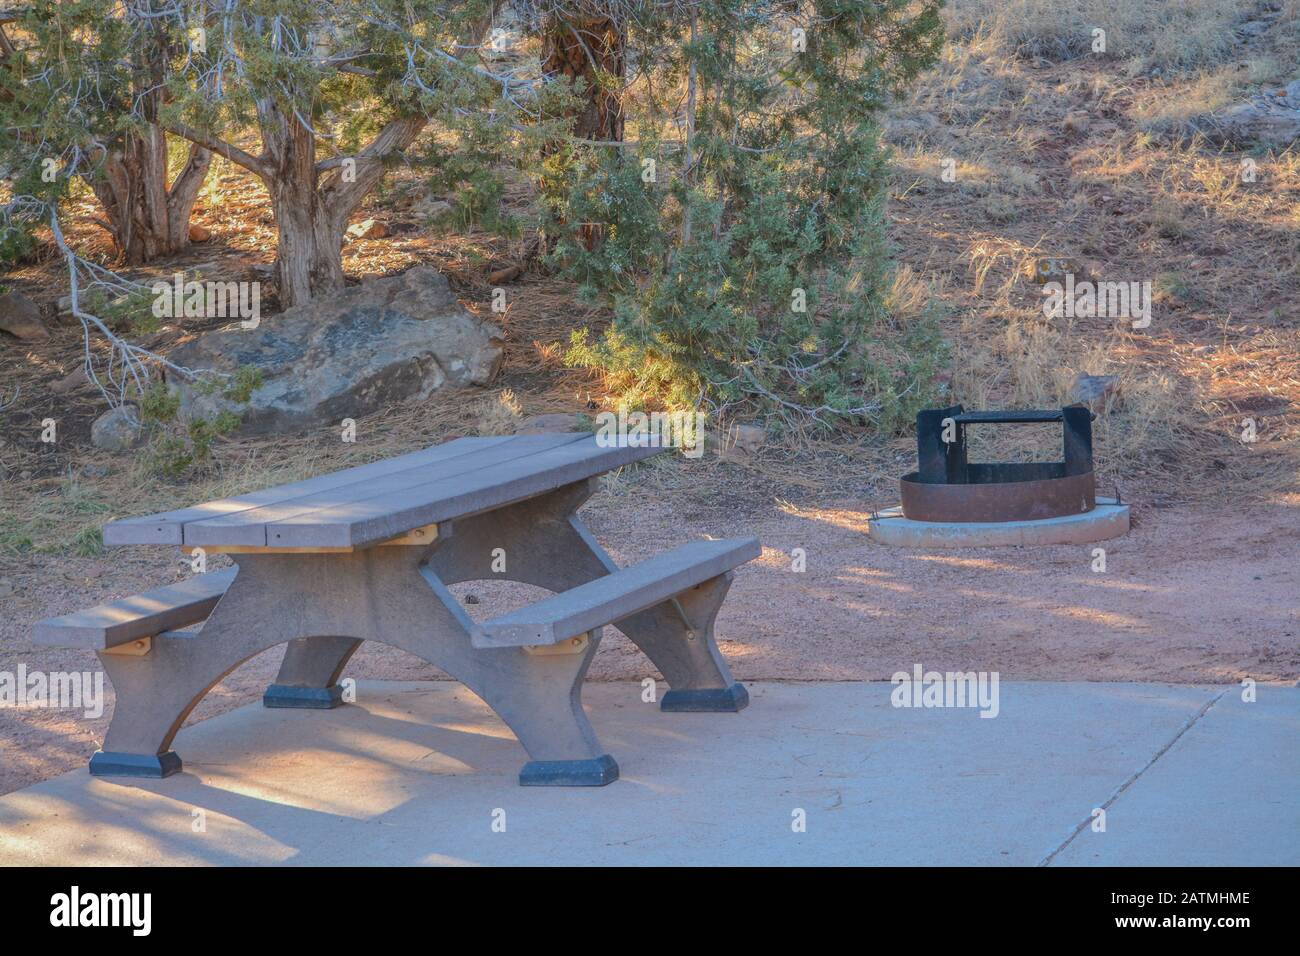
<point>367,554</point>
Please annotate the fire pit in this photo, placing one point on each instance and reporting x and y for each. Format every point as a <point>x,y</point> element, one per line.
<point>948,487</point>
<point>950,501</point>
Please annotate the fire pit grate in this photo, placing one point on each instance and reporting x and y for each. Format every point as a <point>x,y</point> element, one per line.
<point>947,487</point>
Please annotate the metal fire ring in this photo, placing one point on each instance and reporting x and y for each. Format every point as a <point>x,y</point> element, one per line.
<point>946,487</point>
<point>999,501</point>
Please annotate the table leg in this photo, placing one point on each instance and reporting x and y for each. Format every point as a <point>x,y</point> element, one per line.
<point>309,674</point>
<point>381,594</point>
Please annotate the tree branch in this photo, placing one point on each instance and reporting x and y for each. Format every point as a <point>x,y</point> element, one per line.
<point>342,197</point>
<point>253,164</point>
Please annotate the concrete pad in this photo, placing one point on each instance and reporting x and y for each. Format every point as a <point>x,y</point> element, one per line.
<point>1226,790</point>
<point>1107,520</point>
<point>418,773</point>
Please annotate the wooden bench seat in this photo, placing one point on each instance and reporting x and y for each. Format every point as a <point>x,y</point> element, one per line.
<point>133,618</point>
<point>609,599</point>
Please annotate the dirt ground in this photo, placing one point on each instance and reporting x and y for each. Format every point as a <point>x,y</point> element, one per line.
<point>1191,595</point>
<point>1204,588</point>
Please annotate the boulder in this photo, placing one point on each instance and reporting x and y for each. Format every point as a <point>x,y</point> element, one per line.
<point>1270,121</point>
<point>73,380</point>
<point>1095,391</point>
<point>387,340</point>
<point>20,317</point>
<point>117,430</point>
<point>742,441</point>
<point>368,229</point>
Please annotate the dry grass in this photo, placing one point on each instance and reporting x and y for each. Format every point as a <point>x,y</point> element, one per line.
<point>1168,34</point>
<point>1125,196</point>
<point>1030,183</point>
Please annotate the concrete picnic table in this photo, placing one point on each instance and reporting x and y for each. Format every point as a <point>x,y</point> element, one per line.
<point>367,553</point>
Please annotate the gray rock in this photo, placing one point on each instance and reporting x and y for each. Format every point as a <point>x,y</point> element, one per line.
<point>742,441</point>
<point>1292,94</point>
<point>748,437</point>
<point>73,380</point>
<point>1269,121</point>
<point>399,338</point>
<point>20,317</point>
<point>1095,391</point>
<point>115,431</point>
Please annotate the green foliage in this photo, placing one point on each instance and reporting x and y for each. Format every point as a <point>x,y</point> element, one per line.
<point>177,446</point>
<point>88,542</point>
<point>749,262</point>
<point>63,101</point>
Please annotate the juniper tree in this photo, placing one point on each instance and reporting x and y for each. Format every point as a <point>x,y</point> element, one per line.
<point>339,89</point>
<point>745,253</point>
<point>80,96</point>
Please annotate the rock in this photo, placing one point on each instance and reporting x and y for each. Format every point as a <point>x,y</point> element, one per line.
<point>94,471</point>
<point>20,317</point>
<point>1291,95</point>
<point>1077,121</point>
<point>1055,269</point>
<point>742,441</point>
<point>430,209</point>
<point>508,274</point>
<point>748,437</point>
<point>368,229</point>
<point>397,338</point>
<point>1095,391</point>
<point>74,379</point>
<point>1269,121</point>
<point>199,233</point>
<point>540,424</point>
<point>6,588</point>
<point>115,431</point>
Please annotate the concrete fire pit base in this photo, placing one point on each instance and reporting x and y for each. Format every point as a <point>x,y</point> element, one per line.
<point>1108,520</point>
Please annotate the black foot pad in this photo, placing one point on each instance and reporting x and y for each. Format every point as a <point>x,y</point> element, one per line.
<point>105,764</point>
<point>713,700</point>
<point>303,698</point>
<point>596,772</point>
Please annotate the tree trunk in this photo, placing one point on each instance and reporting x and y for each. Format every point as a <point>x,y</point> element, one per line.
<point>147,219</point>
<point>309,251</point>
<point>309,255</point>
<point>587,49</point>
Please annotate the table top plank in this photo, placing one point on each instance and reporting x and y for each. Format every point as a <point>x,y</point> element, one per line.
<point>375,519</point>
<point>167,527</point>
<point>249,527</point>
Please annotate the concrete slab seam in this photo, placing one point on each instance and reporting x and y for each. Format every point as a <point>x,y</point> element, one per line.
<point>1191,722</point>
